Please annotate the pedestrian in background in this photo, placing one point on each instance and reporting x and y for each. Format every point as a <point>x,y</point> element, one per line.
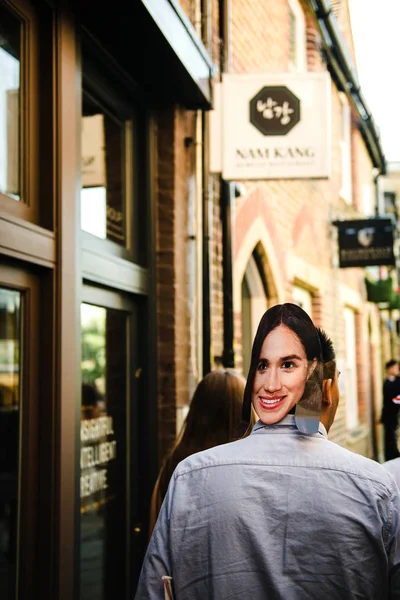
<point>390,409</point>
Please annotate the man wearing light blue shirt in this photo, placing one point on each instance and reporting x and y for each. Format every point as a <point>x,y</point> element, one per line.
<point>279,514</point>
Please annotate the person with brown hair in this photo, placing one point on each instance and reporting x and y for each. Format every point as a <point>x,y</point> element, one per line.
<point>213,419</point>
<point>284,512</point>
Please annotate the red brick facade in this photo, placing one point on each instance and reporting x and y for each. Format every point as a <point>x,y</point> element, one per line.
<point>174,165</point>
<point>287,223</point>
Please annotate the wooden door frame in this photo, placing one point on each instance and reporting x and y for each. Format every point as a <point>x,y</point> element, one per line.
<point>131,306</point>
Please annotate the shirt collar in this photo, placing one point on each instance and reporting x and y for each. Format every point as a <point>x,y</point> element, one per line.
<point>288,422</point>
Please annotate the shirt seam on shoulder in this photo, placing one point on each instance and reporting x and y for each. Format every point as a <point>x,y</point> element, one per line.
<point>262,464</point>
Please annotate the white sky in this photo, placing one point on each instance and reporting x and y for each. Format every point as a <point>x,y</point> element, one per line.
<point>376,31</point>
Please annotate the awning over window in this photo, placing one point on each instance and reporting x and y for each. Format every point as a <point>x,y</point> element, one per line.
<point>154,42</point>
<point>188,54</point>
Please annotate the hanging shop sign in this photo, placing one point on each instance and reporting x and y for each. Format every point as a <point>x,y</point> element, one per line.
<point>367,242</point>
<point>272,126</point>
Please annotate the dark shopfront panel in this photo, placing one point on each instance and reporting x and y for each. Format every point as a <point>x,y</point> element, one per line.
<point>27,258</point>
<point>74,314</point>
<point>77,294</point>
<point>19,429</point>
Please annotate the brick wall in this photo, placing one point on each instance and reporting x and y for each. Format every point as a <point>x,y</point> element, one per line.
<point>178,371</point>
<point>174,161</point>
<point>165,274</point>
<point>184,128</point>
<point>216,259</point>
<point>260,36</point>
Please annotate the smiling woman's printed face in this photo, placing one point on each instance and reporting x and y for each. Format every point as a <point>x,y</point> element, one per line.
<point>280,376</point>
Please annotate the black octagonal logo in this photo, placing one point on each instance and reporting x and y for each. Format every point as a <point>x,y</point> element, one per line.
<point>274,110</point>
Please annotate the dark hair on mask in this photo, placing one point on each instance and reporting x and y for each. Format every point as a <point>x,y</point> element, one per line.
<point>328,354</point>
<point>295,318</point>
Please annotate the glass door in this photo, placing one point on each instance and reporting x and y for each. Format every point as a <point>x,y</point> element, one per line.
<point>108,353</point>
<point>10,412</point>
<point>19,407</point>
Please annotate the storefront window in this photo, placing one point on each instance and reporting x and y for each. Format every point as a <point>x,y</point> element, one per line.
<point>106,169</point>
<point>103,454</point>
<point>10,67</point>
<point>9,438</point>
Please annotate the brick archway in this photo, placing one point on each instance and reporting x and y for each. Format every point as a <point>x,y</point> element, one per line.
<point>254,225</point>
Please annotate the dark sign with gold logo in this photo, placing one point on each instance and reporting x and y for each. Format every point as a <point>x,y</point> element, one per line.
<point>367,242</point>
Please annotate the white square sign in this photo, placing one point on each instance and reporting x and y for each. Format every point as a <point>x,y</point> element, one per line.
<point>276,126</point>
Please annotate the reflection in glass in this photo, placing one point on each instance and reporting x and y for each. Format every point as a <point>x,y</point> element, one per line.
<point>103,454</point>
<point>9,438</point>
<point>105,140</point>
<point>10,56</point>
